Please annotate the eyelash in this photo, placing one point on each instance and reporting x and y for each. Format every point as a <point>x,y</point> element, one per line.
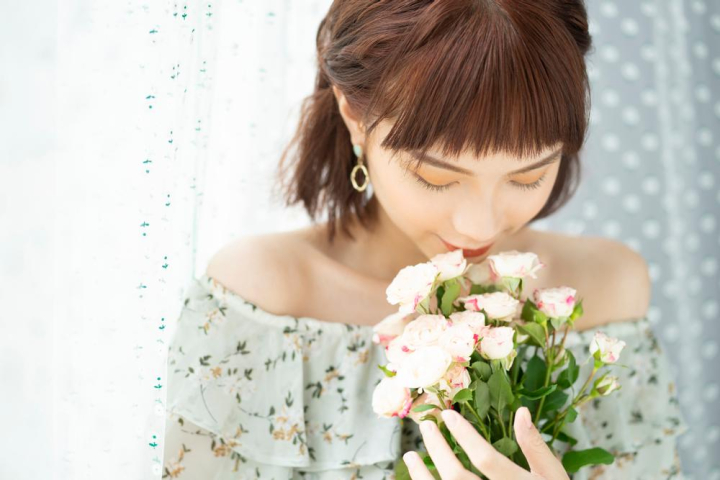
<point>439,188</point>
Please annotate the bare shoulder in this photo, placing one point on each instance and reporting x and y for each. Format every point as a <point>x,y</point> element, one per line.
<point>259,267</point>
<point>612,279</point>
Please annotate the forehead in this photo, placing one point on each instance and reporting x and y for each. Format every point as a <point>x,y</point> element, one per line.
<point>466,156</point>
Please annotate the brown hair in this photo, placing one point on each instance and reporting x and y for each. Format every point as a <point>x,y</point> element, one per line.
<point>498,75</point>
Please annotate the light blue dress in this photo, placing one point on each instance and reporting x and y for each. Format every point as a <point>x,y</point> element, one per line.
<point>257,395</point>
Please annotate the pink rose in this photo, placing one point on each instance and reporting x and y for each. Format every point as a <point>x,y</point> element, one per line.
<point>390,327</point>
<point>555,302</point>
<point>481,274</point>
<point>424,367</point>
<point>609,348</point>
<point>450,265</point>
<point>456,378</point>
<point>515,264</point>
<point>497,344</point>
<point>496,305</point>
<point>411,286</point>
<point>391,399</point>
<point>424,331</point>
<point>474,320</point>
<point>396,351</point>
<point>459,342</point>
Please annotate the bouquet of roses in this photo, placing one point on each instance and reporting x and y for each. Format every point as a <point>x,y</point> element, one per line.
<point>463,339</point>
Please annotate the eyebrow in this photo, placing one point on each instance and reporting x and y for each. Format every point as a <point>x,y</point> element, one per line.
<point>436,162</point>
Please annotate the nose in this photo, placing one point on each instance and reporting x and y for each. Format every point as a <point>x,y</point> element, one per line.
<point>477,222</point>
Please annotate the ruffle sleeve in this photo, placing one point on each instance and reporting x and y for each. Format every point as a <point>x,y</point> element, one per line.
<point>257,395</point>
<point>639,423</point>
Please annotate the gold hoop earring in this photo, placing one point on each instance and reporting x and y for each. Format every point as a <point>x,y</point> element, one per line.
<point>360,188</point>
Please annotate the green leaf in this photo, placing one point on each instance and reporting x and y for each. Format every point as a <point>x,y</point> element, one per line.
<point>577,311</point>
<point>439,292</point>
<point>564,437</point>
<point>464,395</point>
<point>535,331</point>
<point>558,322</point>
<point>534,378</point>
<point>575,460</point>
<point>555,400</point>
<point>482,399</point>
<point>427,406</point>
<point>567,377</point>
<point>388,373</point>
<point>571,415</point>
<point>506,446</point>
<point>452,290</point>
<point>530,313</point>
<point>401,470</point>
<point>483,370</point>
<point>539,393</point>
<point>476,289</point>
<point>500,392</point>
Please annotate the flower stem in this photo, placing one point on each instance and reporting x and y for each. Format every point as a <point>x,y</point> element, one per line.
<point>502,424</point>
<point>480,422</point>
<point>576,402</point>
<point>548,371</point>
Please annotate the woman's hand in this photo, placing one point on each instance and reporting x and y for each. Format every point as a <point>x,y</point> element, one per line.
<point>493,464</point>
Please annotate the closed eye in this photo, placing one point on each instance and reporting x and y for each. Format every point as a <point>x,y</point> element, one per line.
<point>439,188</point>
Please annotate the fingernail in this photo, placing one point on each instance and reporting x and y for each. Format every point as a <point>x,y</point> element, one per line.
<point>450,417</point>
<point>426,426</point>
<point>409,459</point>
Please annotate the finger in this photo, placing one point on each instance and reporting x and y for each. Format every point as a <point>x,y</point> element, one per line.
<point>489,461</point>
<point>416,467</point>
<point>539,456</point>
<point>442,455</point>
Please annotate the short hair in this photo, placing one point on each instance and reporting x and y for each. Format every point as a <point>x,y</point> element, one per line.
<point>492,75</point>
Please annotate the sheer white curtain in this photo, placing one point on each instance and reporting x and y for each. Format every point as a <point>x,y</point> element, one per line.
<point>171,117</point>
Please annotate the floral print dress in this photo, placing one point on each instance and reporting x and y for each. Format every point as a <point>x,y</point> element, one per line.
<point>257,395</point>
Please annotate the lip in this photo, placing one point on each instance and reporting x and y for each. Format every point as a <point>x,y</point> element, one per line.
<point>468,253</point>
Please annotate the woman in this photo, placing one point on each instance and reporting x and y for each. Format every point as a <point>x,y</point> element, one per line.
<point>434,125</point>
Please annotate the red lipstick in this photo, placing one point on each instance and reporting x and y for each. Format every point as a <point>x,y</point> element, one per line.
<point>467,253</point>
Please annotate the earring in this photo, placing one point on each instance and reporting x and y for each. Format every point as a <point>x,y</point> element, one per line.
<point>359,153</point>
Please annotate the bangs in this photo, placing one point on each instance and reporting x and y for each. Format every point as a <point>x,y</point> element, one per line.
<point>473,75</point>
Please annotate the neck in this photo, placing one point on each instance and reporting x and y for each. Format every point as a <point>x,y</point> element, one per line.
<point>378,252</point>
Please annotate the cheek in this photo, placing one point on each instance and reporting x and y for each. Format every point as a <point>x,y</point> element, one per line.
<point>410,207</point>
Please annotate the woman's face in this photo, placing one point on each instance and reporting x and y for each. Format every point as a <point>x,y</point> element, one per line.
<point>483,204</point>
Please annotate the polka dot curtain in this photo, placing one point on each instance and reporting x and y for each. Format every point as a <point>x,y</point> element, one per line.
<point>651,172</point>
<point>171,118</point>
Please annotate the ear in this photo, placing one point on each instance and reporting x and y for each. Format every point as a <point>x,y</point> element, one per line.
<point>353,123</point>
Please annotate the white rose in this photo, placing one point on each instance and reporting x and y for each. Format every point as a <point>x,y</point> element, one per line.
<point>411,286</point>
<point>515,264</point>
<point>424,367</point>
<point>497,343</point>
<point>608,347</point>
<point>496,305</point>
<point>390,327</point>
<point>474,320</point>
<point>456,378</point>
<point>391,399</point>
<point>481,274</point>
<point>396,351</point>
<point>424,331</point>
<point>459,342</point>
<point>426,398</point>
<point>450,265</point>
<point>555,302</point>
